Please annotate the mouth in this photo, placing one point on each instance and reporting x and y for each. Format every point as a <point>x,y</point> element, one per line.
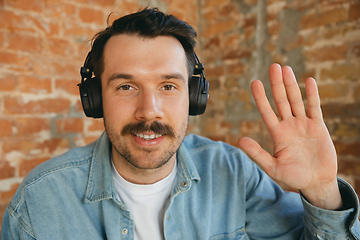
<point>148,137</point>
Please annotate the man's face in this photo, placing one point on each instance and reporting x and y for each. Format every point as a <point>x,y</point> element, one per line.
<point>145,99</point>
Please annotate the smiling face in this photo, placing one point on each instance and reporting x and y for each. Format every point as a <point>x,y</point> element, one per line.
<point>146,104</point>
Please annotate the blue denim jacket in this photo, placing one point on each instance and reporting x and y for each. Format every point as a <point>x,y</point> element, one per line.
<point>220,194</point>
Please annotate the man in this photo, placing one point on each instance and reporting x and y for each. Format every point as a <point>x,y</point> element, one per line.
<point>143,179</point>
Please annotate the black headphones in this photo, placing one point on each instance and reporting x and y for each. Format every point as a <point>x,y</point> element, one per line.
<point>90,90</point>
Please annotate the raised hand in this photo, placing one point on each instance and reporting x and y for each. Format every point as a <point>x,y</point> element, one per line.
<point>304,155</point>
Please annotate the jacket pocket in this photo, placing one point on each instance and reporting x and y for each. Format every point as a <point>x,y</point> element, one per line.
<point>238,234</point>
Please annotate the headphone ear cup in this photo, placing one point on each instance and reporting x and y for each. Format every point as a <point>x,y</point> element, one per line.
<point>198,95</point>
<point>91,99</point>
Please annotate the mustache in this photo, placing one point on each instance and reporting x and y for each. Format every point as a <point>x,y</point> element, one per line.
<point>156,127</point>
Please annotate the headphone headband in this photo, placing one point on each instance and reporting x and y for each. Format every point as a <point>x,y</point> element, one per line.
<point>91,99</point>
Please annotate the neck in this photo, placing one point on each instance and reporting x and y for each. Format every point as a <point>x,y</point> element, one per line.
<point>137,175</point>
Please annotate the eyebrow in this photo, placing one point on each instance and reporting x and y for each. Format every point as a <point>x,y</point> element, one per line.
<point>120,75</point>
<point>130,77</point>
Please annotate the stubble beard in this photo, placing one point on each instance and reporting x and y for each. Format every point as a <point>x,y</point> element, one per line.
<point>147,158</point>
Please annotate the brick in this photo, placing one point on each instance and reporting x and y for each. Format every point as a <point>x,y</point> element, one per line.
<point>231,82</point>
<point>128,7</point>
<point>69,125</point>
<point>90,139</point>
<point>355,51</point>
<point>28,5</point>
<point>96,125</point>
<point>14,58</point>
<point>50,28</point>
<point>68,85</point>
<point>26,126</point>
<point>274,28</point>
<point>244,95</point>
<point>210,16</point>
<point>324,18</point>
<point>78,107</point>
<point>234,69</point>
<point>348,130</point>
<point>29,84</point>
<point>5,128</point>
<point>249,33</point>
<point>2,41</point>
<point>214,84</point>
<point>341,72</point>
<point>326,3</point>
<point>6,170</point>
<point>90,15</point>
<point>301,5</point>
<point>219,27</point>
<point>30,146</point>
<point>337,110</point>
<point>16,105</point>
<point>330,53</point>
<point>333,91</point>
<point>3,207</point>
<point>250,21</point>
<point>26,22</point>
<point>233,39</point>
<point>100,3</point>
<point>53,66</point>
<point>228,9</point>
<point>6,196</point>
<point>354,12</point>
<point>213,3</point>
<point>214,72</point>
<point>58,9</point>
<point>348,149</point>
<point>78,31</point>
<point>62,47</point>
<point>250,127</point>
<point>357,187</point>
<point>357,93</point>
<point>236,54</point>
<point>7,83</point>
<point>27,165</point>
<point>212,43</point>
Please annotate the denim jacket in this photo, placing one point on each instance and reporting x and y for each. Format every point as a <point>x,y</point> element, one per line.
<point>219,194</point>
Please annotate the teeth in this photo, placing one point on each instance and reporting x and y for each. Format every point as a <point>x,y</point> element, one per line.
<point>148,137</point>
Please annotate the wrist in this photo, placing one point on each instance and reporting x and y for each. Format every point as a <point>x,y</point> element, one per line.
<point>325,196</point>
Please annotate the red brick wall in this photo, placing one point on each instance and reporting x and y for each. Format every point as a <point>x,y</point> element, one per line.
<point>321,39</point>
<point>43,43</point>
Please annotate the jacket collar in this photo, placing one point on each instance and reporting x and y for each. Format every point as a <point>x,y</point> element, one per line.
<point>101,186</point>
<point>100,182</point>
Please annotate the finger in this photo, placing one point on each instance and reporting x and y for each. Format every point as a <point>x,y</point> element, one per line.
<point>312,94</point>
<point>267,114</point>
<point>279,92</point>
<point>258,154</point>
<point>293,92</point>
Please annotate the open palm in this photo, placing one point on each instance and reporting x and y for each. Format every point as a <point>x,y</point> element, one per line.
<point>304,155</point>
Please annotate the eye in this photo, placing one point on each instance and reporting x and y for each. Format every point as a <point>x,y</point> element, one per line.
<point>169,87</point>
<point>125,87</point>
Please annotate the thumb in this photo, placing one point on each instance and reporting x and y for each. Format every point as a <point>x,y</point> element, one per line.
<point>258,154</point>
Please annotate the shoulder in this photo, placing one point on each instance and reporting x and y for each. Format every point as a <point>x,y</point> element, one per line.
<point>75,157</point>
<point>56,170</point>
<point>215,153</point>
<point>195,143</point>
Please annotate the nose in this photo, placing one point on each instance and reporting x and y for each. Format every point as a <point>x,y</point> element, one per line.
<point>149,107</point>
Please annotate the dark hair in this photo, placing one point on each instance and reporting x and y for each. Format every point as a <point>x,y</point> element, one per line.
<point>147,23</point>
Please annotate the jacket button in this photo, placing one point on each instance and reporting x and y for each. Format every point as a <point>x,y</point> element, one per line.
<point>184,184</point>
<point>124,231</point>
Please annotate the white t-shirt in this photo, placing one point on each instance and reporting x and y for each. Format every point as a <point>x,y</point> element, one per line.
<point>146,203</point>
